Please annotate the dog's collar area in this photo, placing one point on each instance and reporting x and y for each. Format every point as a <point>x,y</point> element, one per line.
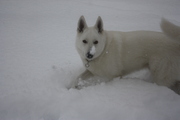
<point>87,64</point>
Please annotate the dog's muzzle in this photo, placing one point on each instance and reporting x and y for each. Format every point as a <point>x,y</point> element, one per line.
<point>89,55</point>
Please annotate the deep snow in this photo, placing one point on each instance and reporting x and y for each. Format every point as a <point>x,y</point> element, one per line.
<point>38,62</point>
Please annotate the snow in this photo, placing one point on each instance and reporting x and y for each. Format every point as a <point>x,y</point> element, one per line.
<point>39,62</point>
<point>93,50</point>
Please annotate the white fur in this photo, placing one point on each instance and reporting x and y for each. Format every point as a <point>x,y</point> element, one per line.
<point>120,53</point>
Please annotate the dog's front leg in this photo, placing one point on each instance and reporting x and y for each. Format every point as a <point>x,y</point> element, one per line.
<point>84,76</point>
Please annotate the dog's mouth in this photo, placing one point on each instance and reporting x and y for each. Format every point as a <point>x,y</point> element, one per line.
<point>89,56</point>
<point>88,60</point>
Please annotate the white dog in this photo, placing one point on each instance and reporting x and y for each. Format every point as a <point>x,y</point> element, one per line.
<point>113,54</point>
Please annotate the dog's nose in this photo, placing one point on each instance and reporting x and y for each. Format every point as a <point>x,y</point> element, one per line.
<point>88,55</point>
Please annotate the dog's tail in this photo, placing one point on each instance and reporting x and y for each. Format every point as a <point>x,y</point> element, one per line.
<point>170,29</point>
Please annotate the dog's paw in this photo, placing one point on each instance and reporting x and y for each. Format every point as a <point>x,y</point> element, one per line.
<point>81,84</point>
<point>77,84</point>
<point>78,87</point>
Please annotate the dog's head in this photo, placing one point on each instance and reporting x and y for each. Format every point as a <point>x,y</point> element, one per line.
<point>90,41</point>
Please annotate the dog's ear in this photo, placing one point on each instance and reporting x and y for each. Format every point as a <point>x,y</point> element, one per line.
<point>81,24</point>
<point>99,25</point>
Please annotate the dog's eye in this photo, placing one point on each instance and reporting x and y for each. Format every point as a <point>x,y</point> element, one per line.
<point>84,41</point>
<point>95,42</point>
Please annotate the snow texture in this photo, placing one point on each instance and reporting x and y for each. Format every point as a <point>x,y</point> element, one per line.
<point>39,62</point>
<point>93,50</point>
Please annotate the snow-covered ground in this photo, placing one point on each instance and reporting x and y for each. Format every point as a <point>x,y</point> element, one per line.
<point>38,61</point>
